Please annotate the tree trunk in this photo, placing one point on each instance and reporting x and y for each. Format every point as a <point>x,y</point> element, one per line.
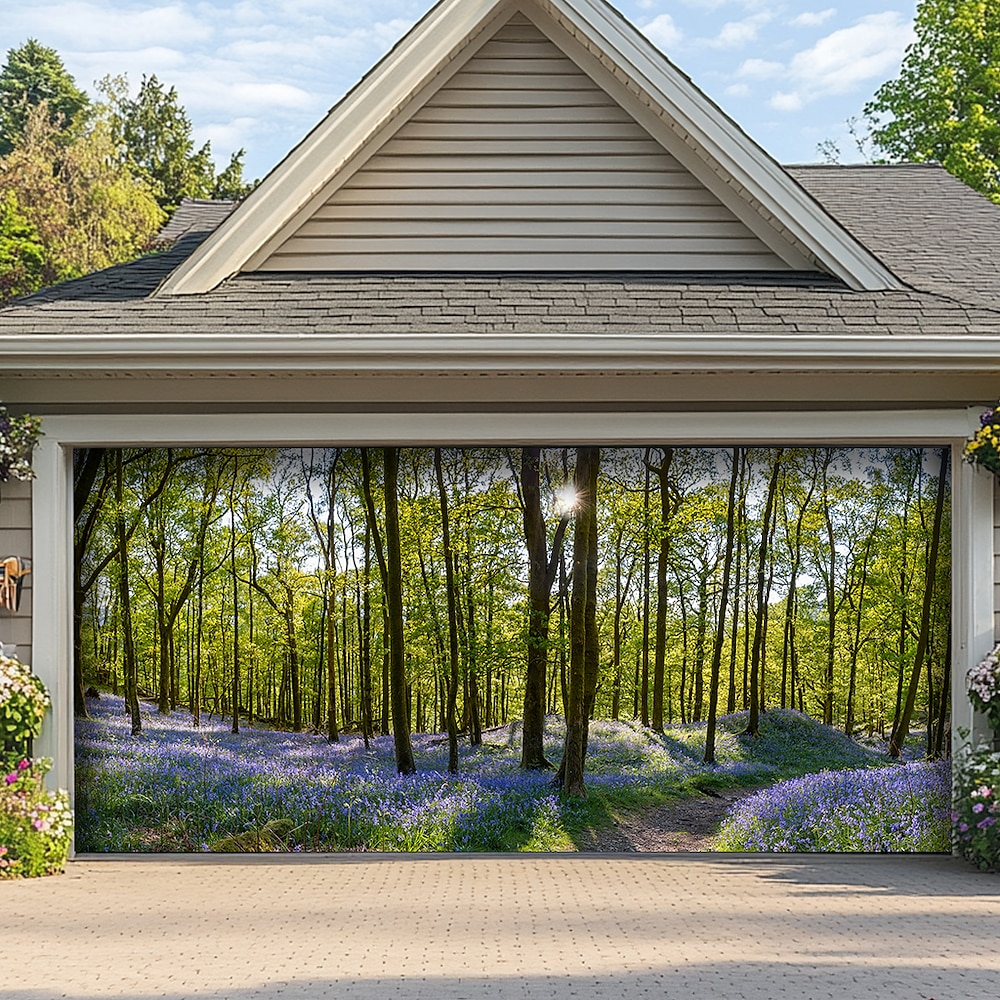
<point>663,556</point>
<point>902,727</point>
<point>542,569</point>
<point>130,665</point>
<point>720,629</point>
<point>572,768</point>
<point>394,607</point>
<point>753,725</point>
<point>452,618</point>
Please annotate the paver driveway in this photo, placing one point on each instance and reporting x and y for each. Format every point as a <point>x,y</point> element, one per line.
<point>526,926</point>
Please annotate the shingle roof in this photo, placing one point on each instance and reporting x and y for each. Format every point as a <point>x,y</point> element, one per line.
<point>937,236</point>
<point>195,215</point>
<point>929,228</point>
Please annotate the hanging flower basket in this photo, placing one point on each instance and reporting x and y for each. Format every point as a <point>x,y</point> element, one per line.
<point>984,687</point>
<point>983,448</point>
<point>18,437</point>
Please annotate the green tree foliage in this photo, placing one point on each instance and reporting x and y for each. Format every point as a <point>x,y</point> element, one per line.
<point>945,103</point>
<point>35,75</point>
<point>231,599</point>
<point>155,136</point>
<point>68,209</point>
<point>22,254</point>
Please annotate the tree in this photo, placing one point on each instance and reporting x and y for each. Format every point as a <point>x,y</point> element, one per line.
<point>155,137</point>
<point>720,629</point>
<point>542,569</point>
<point>23,258</point>
<point>902,727</point>
<point>34,75</point>
<point>68,209</point>
<point>945,103</point>
<point>583,654</point>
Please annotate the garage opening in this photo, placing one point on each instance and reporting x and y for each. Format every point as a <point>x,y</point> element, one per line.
<point>513,649</point>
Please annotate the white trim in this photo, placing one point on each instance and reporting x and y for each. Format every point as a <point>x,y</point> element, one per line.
<point>972,583</point>
<point>52,602</point>
<point>437,40</point>
<point>52,514</point>
<point>539,353</point>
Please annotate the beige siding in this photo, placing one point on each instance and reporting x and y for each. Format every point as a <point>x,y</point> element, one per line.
<point>996,559</point>
<point>522,162</point>
<point>15,540</point>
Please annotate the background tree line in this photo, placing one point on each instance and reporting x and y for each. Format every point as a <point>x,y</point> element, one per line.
<point>451,590</point>
<point>87,183</point>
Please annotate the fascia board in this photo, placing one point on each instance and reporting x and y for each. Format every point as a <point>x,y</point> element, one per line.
<point>490,353</point>
<point>730,146</point>
<point>308,169</point>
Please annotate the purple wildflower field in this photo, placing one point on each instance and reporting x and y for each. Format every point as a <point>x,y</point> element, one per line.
<point>903,808</point>
<point>175,788</point>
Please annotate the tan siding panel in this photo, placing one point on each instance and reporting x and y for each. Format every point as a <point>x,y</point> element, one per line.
<point>525,260</point>
<point>522,162</point>
<point>544,201</point>
<point>600,179</point>
<point>15,540</point>
<point>513,229</point>
<point>490,209</point>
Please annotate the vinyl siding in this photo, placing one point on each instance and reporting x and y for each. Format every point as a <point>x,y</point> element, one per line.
<point>520,161</point>
<point>15,540</point>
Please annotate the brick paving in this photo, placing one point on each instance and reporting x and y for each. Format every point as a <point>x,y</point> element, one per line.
<point>360,928</point>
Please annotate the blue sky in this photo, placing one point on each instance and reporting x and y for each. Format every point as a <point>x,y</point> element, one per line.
<point>260,73</point>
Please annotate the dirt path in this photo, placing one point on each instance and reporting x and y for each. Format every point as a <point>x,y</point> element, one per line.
<point>688,824</point>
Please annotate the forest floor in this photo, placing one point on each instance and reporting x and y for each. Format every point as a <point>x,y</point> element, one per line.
<point>180,788</point>
<point>686,824</point>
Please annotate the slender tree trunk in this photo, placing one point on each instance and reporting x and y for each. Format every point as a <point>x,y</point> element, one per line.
<point>753,726</point>
<point>902,728</point>
<point>572,768</point>
<point>720,628</point>
<point>452,618</point>
<point>130,665</point>
<point>394,602</point>
<point>542,569</point>
<point>663,556</point>
<point>646,540</point>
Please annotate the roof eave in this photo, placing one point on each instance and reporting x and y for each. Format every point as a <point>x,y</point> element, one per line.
<point>434,353</point>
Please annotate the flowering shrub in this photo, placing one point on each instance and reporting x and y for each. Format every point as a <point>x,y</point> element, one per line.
<point>18,437</point>
<point>984,687</point>
<point>976,817</point>
<point>35,824</point>
<point>23,704</point>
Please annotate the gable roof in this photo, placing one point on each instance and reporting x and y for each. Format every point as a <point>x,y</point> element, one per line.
<point>116,303</point>
<point>617,59</point>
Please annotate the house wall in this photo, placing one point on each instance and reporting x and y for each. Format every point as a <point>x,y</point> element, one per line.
<point>996,557</point>
<point>15,540</point>
<point>521,161</point>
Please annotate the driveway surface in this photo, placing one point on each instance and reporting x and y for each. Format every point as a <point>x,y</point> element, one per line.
<point>556,926</point>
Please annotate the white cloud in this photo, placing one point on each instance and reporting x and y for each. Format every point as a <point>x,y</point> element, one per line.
<point>738,34</point>
<point>92,25</point>
<point>760,69</point>
<point>813,18</point>
<point>843,61</point>
<point>662,32</point>
<point>737,90</point>
<point>784,101</point>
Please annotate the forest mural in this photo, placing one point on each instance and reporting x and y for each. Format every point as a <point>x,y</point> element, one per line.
<point>523,648</point>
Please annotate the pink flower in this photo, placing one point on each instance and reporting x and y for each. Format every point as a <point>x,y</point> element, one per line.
<point>41,825</point>
<point>12,777</point>
<point>23,765</point>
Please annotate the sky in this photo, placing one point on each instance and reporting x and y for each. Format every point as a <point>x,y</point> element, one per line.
<point>258,74</point>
